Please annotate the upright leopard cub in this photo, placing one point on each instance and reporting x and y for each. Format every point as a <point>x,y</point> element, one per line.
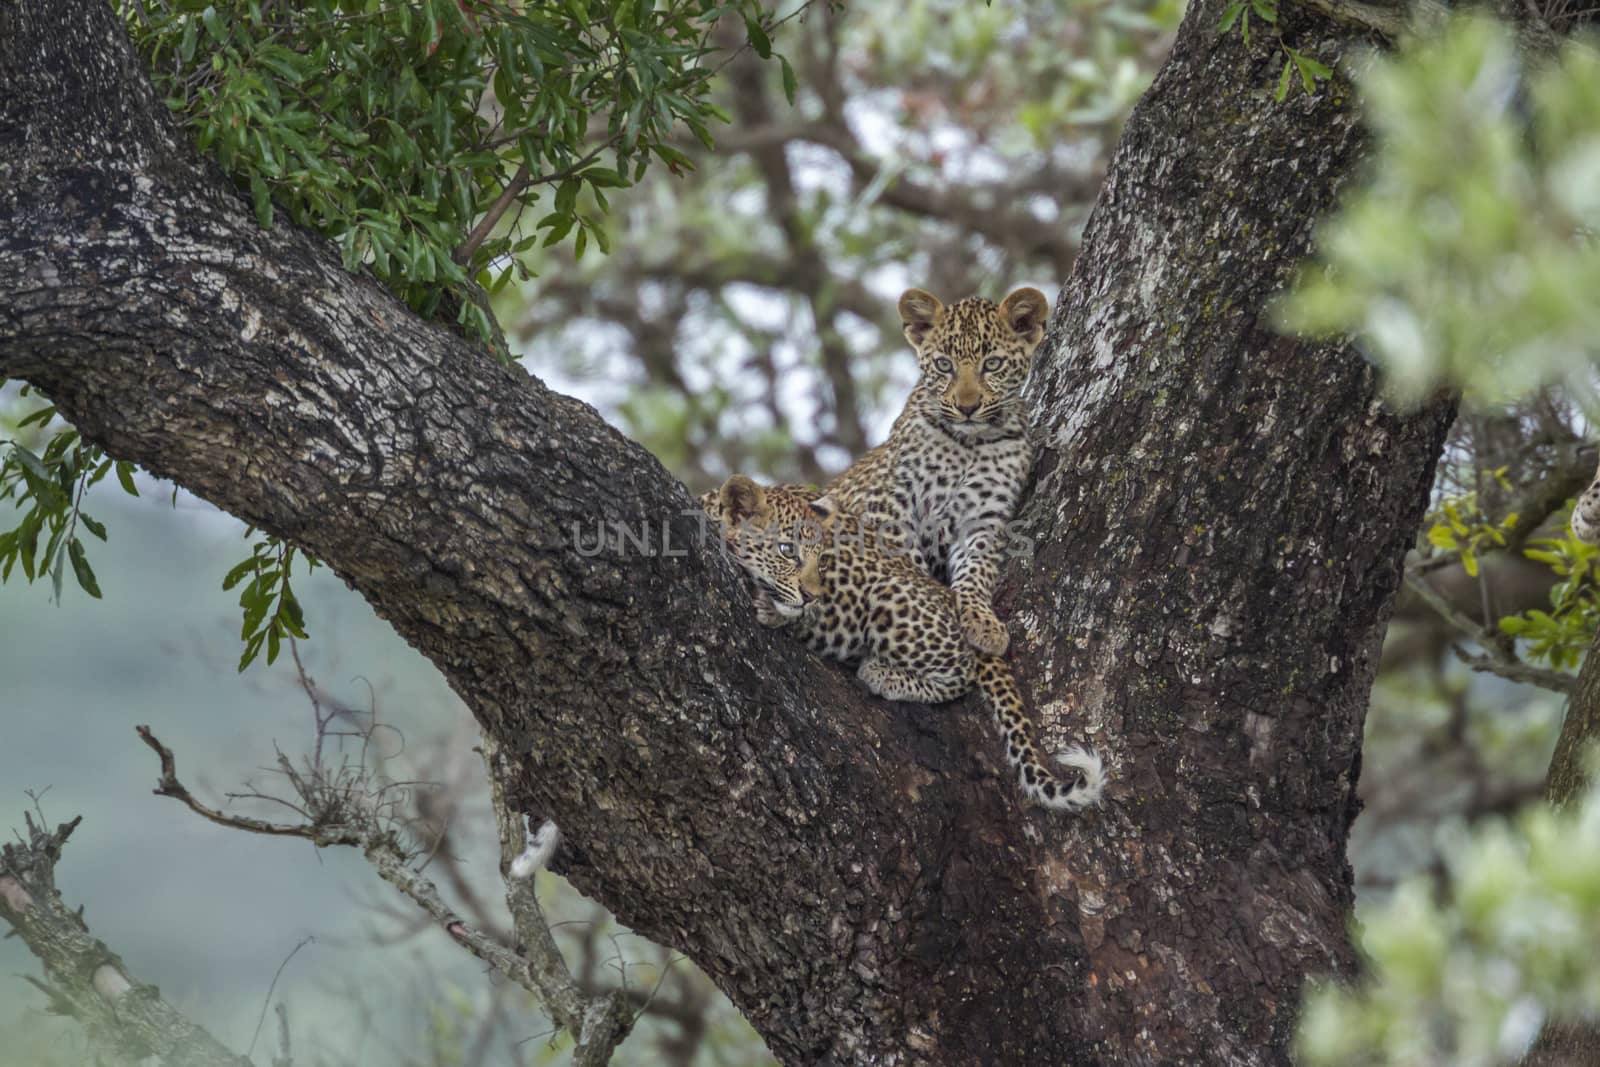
<point>816,568</point>
<point>951,471</point>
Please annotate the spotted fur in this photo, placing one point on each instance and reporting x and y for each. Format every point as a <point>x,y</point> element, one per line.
<point>855,599</point>
<point>1586,514</point>
<point>949,476</point>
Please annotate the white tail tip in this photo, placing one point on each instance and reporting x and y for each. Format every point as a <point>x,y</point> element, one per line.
<point>1086,794</point>
<point>541,846</point>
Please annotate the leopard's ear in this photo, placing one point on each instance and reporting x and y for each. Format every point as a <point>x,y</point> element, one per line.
<point>919,313</point>
<point>1025,312</point>
<point>823,507</point>
<point>741,499</point>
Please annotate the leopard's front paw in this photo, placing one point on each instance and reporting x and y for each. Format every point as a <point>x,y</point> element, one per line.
<point>984,630</point>
<point>767,612</point>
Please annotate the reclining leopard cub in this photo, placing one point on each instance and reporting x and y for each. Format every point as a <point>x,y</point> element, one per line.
<point>848,598</point>
<point>954,464</point>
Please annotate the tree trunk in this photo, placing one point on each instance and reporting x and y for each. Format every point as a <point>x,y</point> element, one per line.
<point>1220,516</point>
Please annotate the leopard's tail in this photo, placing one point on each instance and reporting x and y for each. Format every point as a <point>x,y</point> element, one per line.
<point>1073,791</point>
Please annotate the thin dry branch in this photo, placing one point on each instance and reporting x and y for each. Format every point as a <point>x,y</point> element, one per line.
<point>338,815</point>
<point>1495,660</point>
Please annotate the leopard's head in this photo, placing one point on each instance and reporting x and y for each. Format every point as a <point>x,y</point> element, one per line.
<point>974,354</point>
<point>776,534</point>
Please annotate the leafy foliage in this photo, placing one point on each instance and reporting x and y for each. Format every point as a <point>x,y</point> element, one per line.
<point>47,489</point>
<point>1469,258</point>
<point>1558,637</point>
<point>1458,525</point>
<point>1561,636</point>
<point>271,612</point>
<point>1310,70</point>
<point>407,131</point>
<point>1466,975</point>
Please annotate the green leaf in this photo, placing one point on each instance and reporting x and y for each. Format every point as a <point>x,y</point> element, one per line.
<point>262,199</point>
<point>125,477</point>
<point>81,568</point>
<point>1283,84</point>
<point>758,38</point>
<point>94,526</point>
<point>42,415</point>
<point>290,614</point>
<point>188,40</point>
<point>559,230</point>
<point>32,462</point>
<point>213,24</point>
<point>567,197</point>
<point>237,574</point>
<point>605,177</point>
<point>1320,70</point>
<point>280,61</point>
<point>1230,15</point>
<point>1307,82</point>
<point>789,82</point>
<point>251,648</point>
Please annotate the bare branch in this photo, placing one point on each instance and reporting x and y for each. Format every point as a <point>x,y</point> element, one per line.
<point>169,786</point>
<point>339,814</point>
<point>1496,659</point>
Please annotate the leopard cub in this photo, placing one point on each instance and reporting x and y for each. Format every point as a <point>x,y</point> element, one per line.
<point>853,598</point>
<point>952,470</point>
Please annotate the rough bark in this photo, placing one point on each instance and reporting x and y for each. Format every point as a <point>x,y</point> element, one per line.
<point>1220,517</point>
<point>1568,777</point>
<point>1222,514</point>
<point>1572,1043</point>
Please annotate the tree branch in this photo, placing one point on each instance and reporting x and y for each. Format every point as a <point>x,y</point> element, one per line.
<point>125,1019</point>
<point>597,1023</point>
<point>1495,660</point>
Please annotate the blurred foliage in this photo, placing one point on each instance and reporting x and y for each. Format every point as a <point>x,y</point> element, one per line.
<point>1561,636</point>
<point>1469,257</point>
<point>1466,973</point>
<point>1468,260</point>
<point>1458,525</point>
<point>746,318</point>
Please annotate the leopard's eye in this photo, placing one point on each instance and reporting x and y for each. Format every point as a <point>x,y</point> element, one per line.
<point>943,365</point>
<point>992,364</point>
<point>787,548</point>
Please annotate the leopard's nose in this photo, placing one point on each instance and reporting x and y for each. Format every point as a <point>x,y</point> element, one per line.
<point>967,410</point>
